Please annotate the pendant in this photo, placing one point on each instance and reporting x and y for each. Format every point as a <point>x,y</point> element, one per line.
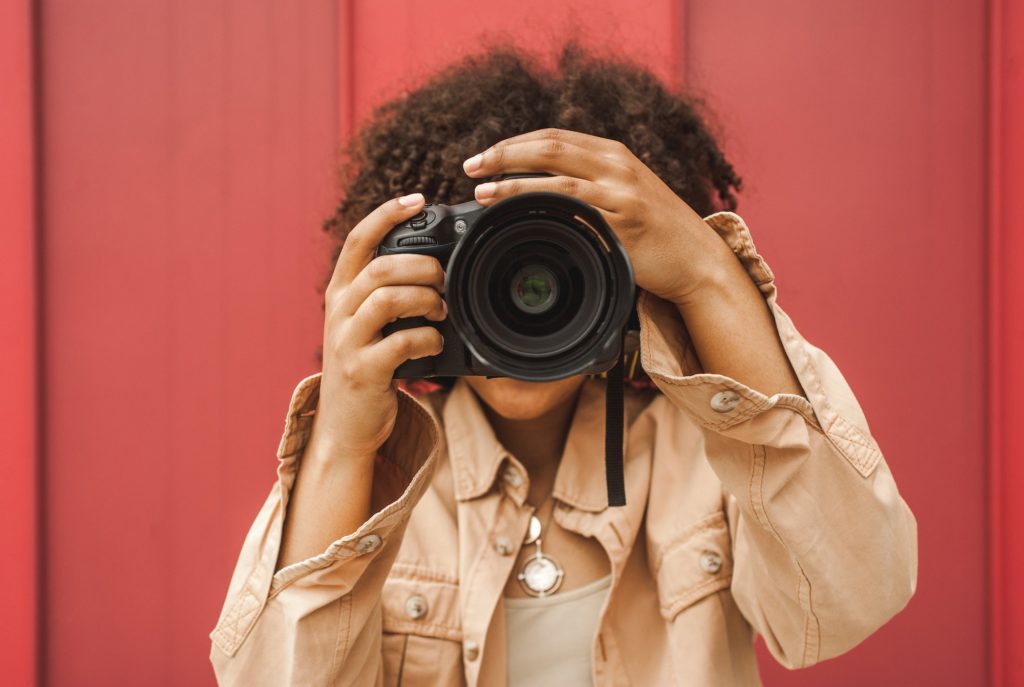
<point>533,532</point>
<point>541,575</point>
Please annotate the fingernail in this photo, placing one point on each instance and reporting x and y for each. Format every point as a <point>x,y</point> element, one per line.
<point>485,190</point>
<point>473,163</point>
<point>444,308</point>
<point>411,199</point>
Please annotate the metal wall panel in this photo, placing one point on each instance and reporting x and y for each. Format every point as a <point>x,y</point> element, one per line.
<point>19,379</point>
<point>187,166</point>
<point>860,129</point>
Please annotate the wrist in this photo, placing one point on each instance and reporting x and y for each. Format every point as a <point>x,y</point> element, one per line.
<point>326,449</point>
<point>719,274</point>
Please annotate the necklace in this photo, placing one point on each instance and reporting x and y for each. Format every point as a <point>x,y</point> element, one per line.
<point>540,575</point>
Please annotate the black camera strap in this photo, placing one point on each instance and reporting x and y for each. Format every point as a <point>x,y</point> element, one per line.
<point>613,435</point>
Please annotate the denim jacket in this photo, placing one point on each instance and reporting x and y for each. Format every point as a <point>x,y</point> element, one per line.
<point>746,514</point>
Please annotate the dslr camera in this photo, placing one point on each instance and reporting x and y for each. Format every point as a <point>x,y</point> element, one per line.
<point>538,287</point>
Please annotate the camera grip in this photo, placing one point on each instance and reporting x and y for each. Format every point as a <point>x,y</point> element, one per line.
<point>420,367</point>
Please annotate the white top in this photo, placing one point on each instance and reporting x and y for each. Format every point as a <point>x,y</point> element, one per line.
<point>551,638</point>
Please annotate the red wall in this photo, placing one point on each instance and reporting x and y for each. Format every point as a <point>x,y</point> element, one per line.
<point>19,301</point>
<point>185,162</point>
<point>860,127</point>
<point>187,150</point>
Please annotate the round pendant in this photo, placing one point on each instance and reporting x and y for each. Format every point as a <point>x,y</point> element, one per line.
<point>541,575</point>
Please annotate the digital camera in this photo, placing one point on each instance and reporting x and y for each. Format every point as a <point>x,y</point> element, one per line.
<point>538,287</point>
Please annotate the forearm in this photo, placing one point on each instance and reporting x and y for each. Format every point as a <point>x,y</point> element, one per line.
<point>330,498</point>
<point>732,329</point>
<point>315,559</point>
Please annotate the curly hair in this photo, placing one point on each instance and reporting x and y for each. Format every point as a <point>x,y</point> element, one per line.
<point>418,140</point>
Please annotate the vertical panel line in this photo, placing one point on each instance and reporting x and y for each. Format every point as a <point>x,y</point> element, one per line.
<point>994,450</point>
<point>346,67</point>
<point>36,80</point>
<point>678,43</point>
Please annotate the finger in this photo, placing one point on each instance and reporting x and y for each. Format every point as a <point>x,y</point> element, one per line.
<point>600,196</point>
<point>388,303</point>
<point>596,143</point>
<point>393,270</point>
<point>404,344</point>
<point>362,241</point>
<point>552,155</point>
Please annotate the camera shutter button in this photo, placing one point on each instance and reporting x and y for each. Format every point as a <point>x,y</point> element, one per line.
<point>421,220</point>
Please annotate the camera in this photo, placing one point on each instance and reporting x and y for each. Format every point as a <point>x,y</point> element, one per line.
<point>538,287</point>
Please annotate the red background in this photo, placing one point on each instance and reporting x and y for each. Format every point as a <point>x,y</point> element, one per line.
<point>164,168</point>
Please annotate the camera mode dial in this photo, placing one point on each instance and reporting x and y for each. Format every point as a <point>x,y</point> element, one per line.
<point>420,221</point>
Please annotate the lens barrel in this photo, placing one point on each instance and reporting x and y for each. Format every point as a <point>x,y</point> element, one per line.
<point>539,288</point>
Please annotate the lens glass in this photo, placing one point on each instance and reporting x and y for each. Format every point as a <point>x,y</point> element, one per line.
<point>534,289</point>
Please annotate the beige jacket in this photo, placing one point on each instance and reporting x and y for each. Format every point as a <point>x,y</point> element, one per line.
<point>745,514</point>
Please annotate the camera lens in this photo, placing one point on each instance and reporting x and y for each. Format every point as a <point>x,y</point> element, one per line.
<point>534,289</point>
<point>539,288</point>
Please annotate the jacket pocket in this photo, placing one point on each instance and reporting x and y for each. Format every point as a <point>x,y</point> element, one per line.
<point>694,564</point>
<point>422,631</point>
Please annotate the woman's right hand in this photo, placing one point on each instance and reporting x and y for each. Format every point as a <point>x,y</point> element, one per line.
<point>358,402</point>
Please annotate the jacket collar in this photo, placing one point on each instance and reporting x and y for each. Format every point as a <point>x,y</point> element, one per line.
<point>477,455</point>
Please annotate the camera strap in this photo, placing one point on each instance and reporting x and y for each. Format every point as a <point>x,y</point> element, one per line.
<point>613,435</point>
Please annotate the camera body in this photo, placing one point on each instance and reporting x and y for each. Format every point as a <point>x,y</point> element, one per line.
<point>538,287</point>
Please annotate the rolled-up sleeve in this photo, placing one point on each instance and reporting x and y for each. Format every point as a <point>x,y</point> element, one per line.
<point>318,621</point>
<point>824,547</point>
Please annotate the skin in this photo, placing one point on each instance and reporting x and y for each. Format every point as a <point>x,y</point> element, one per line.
<point>675,254</point>
<point>531,419</point>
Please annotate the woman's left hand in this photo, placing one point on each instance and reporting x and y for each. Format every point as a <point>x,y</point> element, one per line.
<point>674,252</point>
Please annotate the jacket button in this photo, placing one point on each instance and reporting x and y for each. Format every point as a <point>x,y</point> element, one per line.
<point>724,401</point>
<point>415,607</point>
<point>503,545</point>
<point>710,562</point>
<point>512,476</point>
<point>368,543</point>
<point>472,650</point>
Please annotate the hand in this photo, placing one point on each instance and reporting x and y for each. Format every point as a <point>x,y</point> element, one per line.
<point>673,251</point>
<point>358,404</point>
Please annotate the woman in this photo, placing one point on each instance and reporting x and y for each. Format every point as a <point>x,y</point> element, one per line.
<point>396,546</point>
